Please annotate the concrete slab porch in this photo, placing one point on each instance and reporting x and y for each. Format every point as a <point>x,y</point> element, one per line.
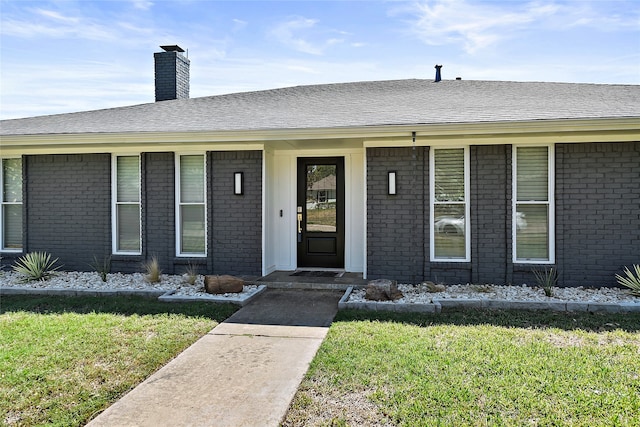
<point>287,280</point>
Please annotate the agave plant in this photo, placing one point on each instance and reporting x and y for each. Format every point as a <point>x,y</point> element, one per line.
<point>36,266</point>
<point>102,267</point>
<point>632,280</point>
<point>546,279</point>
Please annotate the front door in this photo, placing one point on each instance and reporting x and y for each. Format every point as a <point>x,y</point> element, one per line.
<point>320,212</point>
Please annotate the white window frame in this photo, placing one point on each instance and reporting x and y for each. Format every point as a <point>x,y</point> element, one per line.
<point>178,204</point>
<point>432,203</point>
<point>3,204</point>
<point>550,202</point>
<point>115,203</point>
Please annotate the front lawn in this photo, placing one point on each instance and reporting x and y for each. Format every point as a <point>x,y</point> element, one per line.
<point>62,359</point>
<point>474,368</point>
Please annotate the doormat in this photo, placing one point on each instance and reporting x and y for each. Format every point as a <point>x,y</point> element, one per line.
<point>317,273</point>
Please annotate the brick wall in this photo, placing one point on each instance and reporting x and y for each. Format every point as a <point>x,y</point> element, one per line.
<point>396,224</point>
<point>68,207</point>
<point>598,211</point>
<point>67,212</point>
<point>158,209</point>
<point>597,216</point>
<point>490,188</point>
<point>235,240</point>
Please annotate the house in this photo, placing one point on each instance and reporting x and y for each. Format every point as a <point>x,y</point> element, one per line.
<point>453,181</point>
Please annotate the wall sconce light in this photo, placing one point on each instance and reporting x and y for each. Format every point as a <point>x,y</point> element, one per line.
<point>238,184</point>
<point>391,188</point>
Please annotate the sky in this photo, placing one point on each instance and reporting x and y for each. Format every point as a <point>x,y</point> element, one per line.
<point>66,56</point>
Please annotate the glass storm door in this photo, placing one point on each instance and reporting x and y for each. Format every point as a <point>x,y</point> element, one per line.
<point>320,212</point>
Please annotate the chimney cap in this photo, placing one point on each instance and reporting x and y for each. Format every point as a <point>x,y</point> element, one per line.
<point>172,48</point>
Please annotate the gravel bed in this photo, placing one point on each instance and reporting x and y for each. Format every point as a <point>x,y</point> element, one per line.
<point>419,294</point>
<point>120,282</point>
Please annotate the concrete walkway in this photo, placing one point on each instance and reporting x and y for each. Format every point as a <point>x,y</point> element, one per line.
<point>244,372</point>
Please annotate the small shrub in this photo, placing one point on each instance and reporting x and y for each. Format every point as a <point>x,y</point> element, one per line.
<point>102,267</point>
<point>546,279</point>
<point>152,268</point>
<point>482,289</point>
<point>36,266</point>
<point>632,279</point>
<point>433,288</point>
<point>191,274</point>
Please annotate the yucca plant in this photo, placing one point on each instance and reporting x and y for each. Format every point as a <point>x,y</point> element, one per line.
<point>546,279</point>
<point>36,266</point>
<point>152,268</point>
<point>102,267</point>
<point>632,279</point>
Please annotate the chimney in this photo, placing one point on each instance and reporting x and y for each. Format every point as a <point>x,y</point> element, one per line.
<point>438,75</point>
<point>172,73</point>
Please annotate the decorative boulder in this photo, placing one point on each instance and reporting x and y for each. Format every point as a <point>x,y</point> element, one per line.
<point>374,293</point>
<point>382,290</point>
<point>223,284</point>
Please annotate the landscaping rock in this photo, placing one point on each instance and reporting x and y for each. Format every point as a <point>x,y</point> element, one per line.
<point>224,284</point>
<point>374,293</point>
<point>383,290</point>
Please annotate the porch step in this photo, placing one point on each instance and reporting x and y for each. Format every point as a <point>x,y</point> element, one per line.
<point>285,280</point>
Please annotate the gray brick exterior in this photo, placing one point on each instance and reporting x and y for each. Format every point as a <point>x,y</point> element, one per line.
<point>597,216</point>
<point>396,225</point>
<point>67,212</point>
<point>598,211</point>
<point>235,240</point>
<point>490,194</point>
<point>67,205</point>
<point>158,209</point>
<point>171,76</point>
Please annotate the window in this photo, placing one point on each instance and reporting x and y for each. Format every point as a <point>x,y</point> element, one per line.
<point>191,207</point>
<point>126,205</point>
<point>533,205</point>
<point>11,212</point>
<point>449,207</point>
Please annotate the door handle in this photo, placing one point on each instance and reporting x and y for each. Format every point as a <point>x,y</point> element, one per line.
<point>299,224</point>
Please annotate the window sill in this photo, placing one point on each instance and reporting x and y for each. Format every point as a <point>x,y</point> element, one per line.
<point>451,265</point>
<point>527,267</point>
<point>185,260</point>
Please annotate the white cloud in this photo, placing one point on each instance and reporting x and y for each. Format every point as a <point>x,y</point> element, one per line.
<point>286,33</point>
<point>298,32</point>
<point>142,4</point>
<point>74,86</point>
<point>239,24</point>
<point>478,25</point>
<point>51,24</point>
<point>56,16</point>
<point>473,25</point>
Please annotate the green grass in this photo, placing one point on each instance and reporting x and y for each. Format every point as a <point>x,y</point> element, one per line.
<point>474,368</point>
<point>63,360</point>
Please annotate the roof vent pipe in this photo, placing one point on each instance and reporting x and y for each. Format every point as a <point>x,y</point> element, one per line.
<point>438,75</point>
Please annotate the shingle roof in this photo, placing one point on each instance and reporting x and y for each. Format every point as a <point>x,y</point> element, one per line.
<point>360,104</point>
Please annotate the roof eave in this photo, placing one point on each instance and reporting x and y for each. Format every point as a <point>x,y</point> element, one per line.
<point>533,131</point>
